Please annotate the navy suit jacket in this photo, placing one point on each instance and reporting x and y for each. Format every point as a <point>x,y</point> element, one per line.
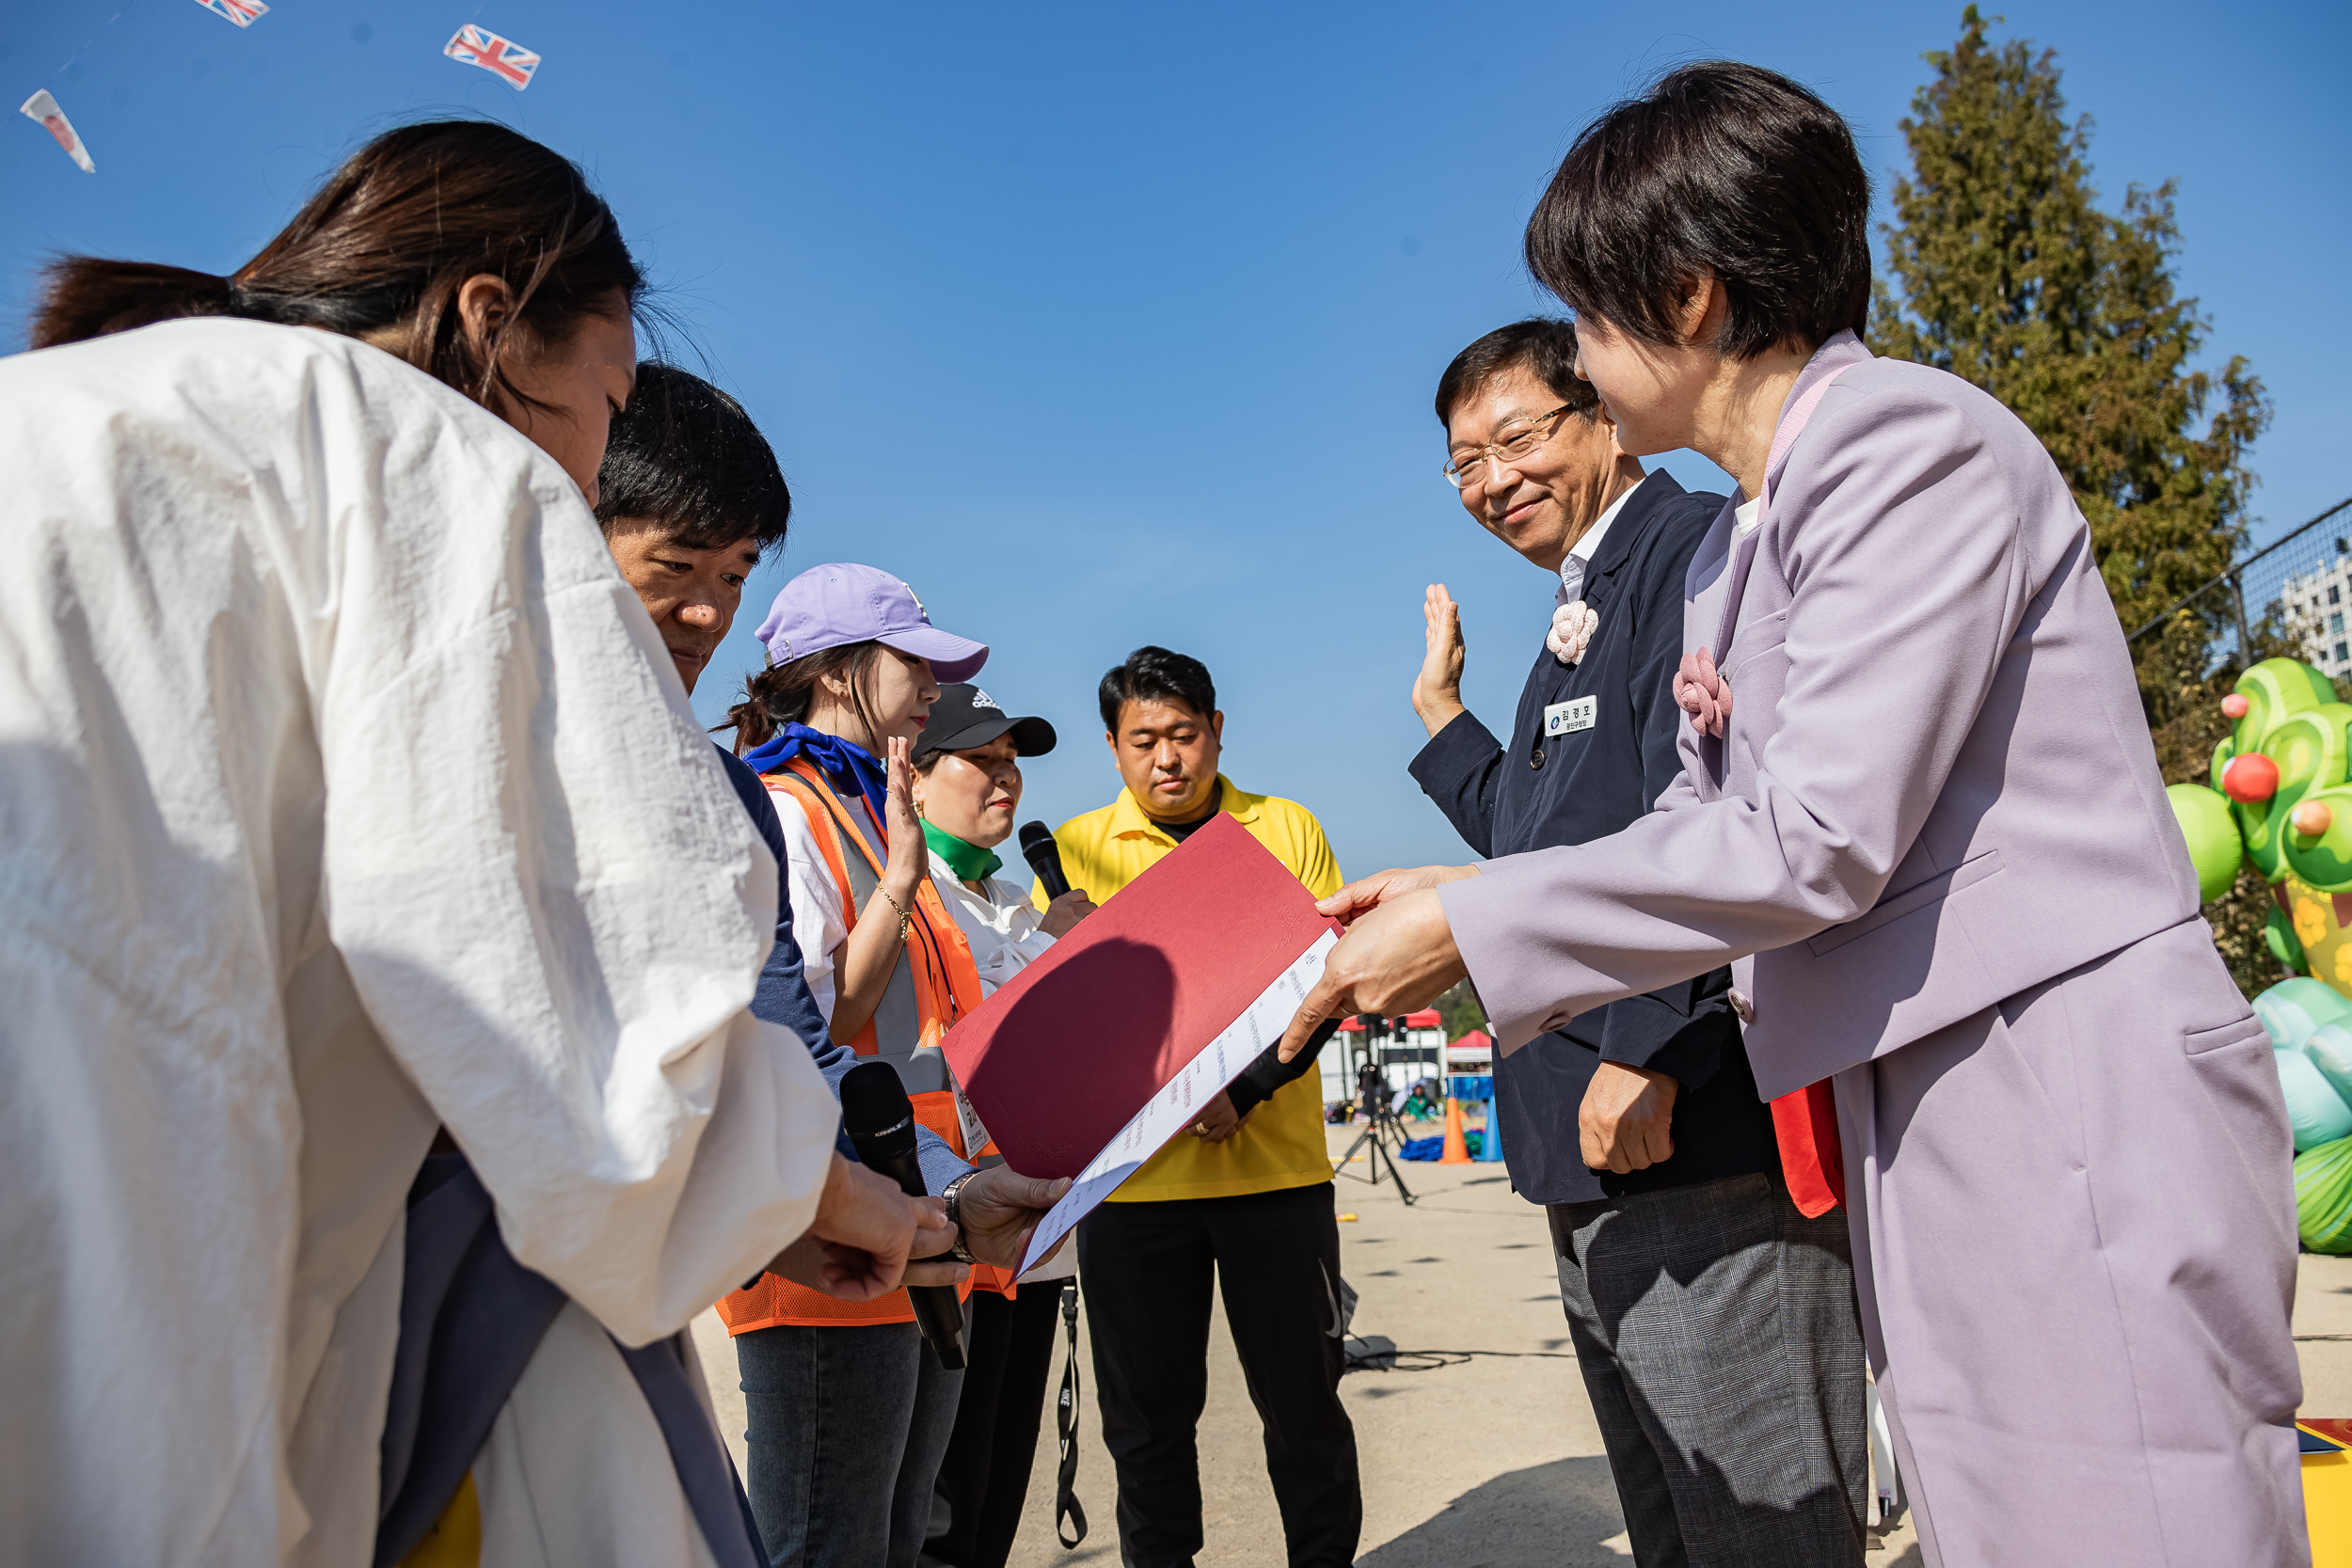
<point>1540,792</point>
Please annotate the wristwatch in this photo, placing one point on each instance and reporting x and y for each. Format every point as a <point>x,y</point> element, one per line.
<point>950,1195</point>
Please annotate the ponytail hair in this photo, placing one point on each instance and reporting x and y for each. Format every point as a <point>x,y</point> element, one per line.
<point>382,251</point>
<point>87,297</point>
<point>783,693</point>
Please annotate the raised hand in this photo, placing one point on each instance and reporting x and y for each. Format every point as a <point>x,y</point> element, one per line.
<point>909,858</point>
<point>1438,690</point>
<point>878,940</point>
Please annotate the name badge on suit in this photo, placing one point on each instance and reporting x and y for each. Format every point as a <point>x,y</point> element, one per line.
<point>1577,713</point>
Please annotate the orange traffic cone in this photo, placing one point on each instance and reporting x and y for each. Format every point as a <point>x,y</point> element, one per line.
<point>1457,1146</point>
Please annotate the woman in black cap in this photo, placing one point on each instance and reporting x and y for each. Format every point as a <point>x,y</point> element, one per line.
<point>968,789</point>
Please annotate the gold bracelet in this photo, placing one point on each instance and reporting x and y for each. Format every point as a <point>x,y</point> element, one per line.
<point>905,919</point>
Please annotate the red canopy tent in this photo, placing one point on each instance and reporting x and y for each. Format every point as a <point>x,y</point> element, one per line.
<point>1428,1018</point>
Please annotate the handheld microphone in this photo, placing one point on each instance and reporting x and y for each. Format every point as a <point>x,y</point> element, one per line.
<point>1045,857</point>
<point>879,1119</point>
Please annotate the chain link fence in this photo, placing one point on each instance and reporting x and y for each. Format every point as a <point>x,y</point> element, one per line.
<point>2293,596</point>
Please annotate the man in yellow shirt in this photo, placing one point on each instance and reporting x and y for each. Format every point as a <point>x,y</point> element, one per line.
<point>1244,1198</point>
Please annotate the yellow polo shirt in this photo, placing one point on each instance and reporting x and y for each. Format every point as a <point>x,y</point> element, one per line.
<point>1282,1145</point>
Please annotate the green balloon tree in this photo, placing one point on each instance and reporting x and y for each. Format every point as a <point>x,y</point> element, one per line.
<point>2281,802</point>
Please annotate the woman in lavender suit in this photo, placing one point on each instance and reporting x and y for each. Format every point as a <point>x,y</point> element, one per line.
<point>1920,814</point>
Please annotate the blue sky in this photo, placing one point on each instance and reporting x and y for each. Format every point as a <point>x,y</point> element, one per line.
<point>1119,323</point>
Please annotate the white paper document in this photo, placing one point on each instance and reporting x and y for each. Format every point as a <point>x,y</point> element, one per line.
<point>1167,1114</point>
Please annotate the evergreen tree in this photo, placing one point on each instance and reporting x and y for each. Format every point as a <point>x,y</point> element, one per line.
<point>1460,1008</point>
<point>2007,273</point>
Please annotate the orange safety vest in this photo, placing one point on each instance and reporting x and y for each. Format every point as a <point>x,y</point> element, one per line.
<point>933,984</point>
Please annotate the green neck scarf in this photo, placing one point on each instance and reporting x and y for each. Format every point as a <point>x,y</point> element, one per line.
<point>969,862</point>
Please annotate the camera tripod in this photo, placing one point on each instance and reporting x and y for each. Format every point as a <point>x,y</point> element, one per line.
<point>1380,1130</point>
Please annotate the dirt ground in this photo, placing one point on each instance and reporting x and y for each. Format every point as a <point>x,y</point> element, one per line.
<point>1494,1462</point>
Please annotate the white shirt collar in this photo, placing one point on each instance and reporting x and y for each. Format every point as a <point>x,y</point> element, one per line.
<point>1579,557</point>
<point>1584,548</point>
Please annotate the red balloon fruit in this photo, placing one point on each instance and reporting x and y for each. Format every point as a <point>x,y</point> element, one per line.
<point>2251,778</point>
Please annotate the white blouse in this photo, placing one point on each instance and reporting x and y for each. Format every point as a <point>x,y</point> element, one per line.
<point>819,922</point>
<point>1002,928</point>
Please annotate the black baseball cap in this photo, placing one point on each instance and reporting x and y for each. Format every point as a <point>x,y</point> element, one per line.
<point>965,716</point>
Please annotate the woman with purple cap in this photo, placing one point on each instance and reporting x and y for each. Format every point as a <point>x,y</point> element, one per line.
<point>848,1415</point>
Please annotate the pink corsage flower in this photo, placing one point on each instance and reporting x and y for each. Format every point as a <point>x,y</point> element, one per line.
<point>1701,692</point>
<point>1571,632</point>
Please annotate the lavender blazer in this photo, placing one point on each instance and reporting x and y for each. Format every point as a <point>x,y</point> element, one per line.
<point>1936,788</point>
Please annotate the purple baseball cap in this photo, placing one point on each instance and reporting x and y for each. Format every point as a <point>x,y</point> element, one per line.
<point>837,603</point>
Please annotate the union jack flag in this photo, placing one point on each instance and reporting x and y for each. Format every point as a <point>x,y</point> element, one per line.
<point>509,61</point>
<point>245,13</point>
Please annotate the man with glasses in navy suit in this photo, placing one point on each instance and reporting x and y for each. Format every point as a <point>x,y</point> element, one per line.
<point>1714,1322</point>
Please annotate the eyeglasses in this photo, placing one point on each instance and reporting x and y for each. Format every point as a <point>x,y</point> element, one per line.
<point>1462,466</point>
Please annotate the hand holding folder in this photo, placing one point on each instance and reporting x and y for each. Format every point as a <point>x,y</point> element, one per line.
<point>1097,1053</point>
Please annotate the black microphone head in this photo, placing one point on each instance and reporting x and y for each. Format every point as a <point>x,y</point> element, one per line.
<point>1045,857</point>
<point>876,1113</point>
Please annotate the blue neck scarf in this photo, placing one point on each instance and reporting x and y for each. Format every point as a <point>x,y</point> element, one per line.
<point>837,758</point>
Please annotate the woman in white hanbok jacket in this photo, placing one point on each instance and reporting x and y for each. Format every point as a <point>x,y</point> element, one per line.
<point>346,793</point>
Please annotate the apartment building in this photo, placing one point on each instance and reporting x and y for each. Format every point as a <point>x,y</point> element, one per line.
<point>2317,606</point>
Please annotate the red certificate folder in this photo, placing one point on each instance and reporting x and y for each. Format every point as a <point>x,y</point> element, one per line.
<point>1060,1061</point>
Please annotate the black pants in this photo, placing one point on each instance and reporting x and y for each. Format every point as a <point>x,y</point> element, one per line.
<point>1145,1269</point>
<point>984,1480</point>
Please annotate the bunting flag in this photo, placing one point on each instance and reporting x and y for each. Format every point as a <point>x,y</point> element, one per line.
<point>245,13</point>
<point>503,58</point>
<point>42,107</point>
